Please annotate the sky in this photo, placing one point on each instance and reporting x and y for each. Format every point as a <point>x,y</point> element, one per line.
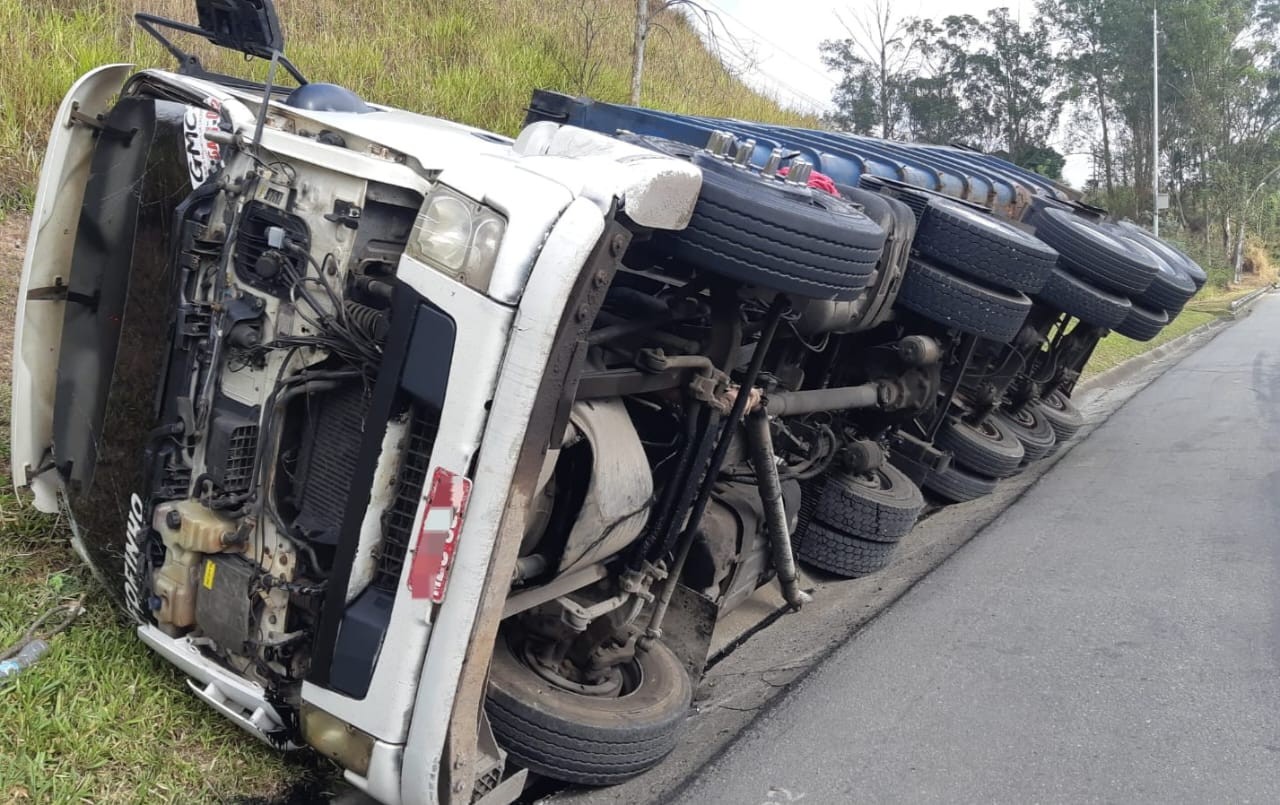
<point>784,48</point>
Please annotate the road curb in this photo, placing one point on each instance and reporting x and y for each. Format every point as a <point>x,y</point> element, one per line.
<point>1128,368</point>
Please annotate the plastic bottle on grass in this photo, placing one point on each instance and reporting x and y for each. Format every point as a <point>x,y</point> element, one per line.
<point>23,659</point>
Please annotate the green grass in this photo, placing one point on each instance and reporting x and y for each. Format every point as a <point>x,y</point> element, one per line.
<point>1115,348</point>
<point>476,61</point>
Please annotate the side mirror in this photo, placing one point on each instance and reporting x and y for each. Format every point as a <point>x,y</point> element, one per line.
<point>249,26</point>
<point>246,26</point>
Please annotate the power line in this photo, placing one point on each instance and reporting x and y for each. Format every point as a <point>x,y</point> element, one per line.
<point>775,49</point>
<point>773,83</point>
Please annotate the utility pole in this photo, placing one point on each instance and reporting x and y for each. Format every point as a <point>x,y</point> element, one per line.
<point>1155,120</point>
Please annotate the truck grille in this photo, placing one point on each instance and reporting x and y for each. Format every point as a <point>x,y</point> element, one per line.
<point>397,521</point>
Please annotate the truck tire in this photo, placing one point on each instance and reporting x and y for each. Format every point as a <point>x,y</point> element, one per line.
<point>1032,429</point>
<point>1171,254</point>
<point>1086,302</point>
<point>957,485</point>
<point>1172,287</point>
<point>768,234</point>
<point>1143,324</point>
<point>842,554</point>
<point>1170,290</point>
<point>962,304</point>
<point>589,740</point>
<point>983,247</point>
<point>1093,254</point>
<point>1065,419</point>
<point>988,448</point>
<point>881,506</point>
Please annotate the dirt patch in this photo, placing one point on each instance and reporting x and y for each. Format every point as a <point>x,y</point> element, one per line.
<point>13,236</point>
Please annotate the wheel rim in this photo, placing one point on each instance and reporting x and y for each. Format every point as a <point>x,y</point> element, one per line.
<point>1055,400</point>
<point>618,681</point>
<point>987,429</point>
<point>875,480</point>
<point>1023,417</point>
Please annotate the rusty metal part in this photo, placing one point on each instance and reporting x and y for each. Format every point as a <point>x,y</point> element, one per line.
<point>919,350</point>
<point>775,514</point>
<point>776,308</point>
<point>561,585</point>
<point>709,386</point>
<point>864,455</point>
<point>463,750</point>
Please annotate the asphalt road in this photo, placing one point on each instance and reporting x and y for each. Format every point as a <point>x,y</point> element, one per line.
<point>1114,636</point>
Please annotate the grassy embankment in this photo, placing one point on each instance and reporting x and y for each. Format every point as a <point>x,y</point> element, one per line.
<point>100,719</point>
<point>475,61</point>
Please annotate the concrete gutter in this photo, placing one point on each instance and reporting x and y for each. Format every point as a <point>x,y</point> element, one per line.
<point>751,672</point>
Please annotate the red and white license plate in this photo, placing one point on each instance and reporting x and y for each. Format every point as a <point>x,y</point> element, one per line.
<point>438,537</point>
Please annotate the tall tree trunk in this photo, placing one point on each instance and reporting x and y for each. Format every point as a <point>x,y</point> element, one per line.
<point>1106,137</point>
<point>637,50</point>
<point>884,91</point>
<point>1238,257</point>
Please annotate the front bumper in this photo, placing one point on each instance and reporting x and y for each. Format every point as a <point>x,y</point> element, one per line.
<point>243,702</point>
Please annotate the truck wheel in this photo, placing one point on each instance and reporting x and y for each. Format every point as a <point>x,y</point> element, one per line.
<point>1093,254</point>
<point>1065,419</point>
<point>842,554</point>
<point>988,448</point>
<point>1088,303</point>
<point>881,506</point>
<point>1032,429</point>
<point>586,739</point>
<point>962,304</point>
<point>1171,254</point>
<point>1143,324</point>
<point>983,247</point>
<point>768,234</point>
<point>1171,288</point>
<point>957,485</point>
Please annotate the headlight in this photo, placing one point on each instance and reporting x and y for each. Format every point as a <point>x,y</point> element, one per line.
<point>459,236</point>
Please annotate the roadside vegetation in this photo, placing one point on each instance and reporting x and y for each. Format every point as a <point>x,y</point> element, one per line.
<point>476,61</point>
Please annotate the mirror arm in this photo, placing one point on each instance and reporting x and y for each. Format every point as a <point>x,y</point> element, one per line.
<point>190,63</point>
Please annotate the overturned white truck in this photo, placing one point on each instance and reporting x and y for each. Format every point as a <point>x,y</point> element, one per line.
<point>442,453</point>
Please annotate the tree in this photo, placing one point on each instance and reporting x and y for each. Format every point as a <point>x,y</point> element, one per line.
<point>989,82</point>
<point>1219,105</point>
<point>1044,160</point>
<point>1089,61</point>
<point>646,17</point>
<point>876,61</point>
